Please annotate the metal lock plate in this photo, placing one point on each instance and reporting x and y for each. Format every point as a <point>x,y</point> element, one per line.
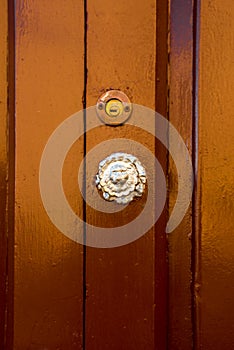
<point>114,107</point>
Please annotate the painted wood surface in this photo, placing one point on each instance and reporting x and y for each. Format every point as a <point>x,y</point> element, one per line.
<point>122,306</point>
<point>3,165</point>
<point>118,298</point>
<point>180,330</point>
<point>112,300</point>
<point>48,267</point>
<point>215,274</point>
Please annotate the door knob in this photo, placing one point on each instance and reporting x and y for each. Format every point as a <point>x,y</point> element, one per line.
<point>121,177</point>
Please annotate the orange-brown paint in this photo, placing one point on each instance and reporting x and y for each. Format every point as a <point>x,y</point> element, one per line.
<point>215,274</point>
<point>48,266</point>
<point>3,165</point>
<point>126,294</point>
<point>122,306</point>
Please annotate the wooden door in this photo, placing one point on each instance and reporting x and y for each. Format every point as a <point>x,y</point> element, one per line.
<point>67,295</point>
<point>159,291</point>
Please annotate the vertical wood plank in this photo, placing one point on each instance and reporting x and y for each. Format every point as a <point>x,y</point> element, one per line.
<point>11,178</point>
<point>161,244</point>
<point>181,116</point>
<point>3,163</point>
<point>121,305</point>
<point>49,88</point>
<point>215,287</point>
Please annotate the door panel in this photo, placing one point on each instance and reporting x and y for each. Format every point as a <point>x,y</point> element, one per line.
<point>215,257</point>
<point>122,305</point>
<point>48,282</point>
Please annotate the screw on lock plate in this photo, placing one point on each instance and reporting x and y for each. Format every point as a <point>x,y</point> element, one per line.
<point>114,107</point>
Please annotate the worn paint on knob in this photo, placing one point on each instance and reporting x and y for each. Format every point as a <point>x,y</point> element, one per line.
<point>121,178</point>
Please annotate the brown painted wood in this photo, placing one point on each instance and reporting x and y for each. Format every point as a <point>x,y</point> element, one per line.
<point>9,336</point>
<point>122,304</point>
<point>215,268</point>
<point>181,116</point>
<point>49,87</point>
<point>125,305</point>
<point>3,165</point>
<point>161,244</point>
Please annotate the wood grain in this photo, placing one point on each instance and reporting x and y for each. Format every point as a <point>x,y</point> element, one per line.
<point>215,287</point>
<point>49,88</point>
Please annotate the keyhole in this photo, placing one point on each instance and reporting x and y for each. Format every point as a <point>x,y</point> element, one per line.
<point>114,108</point>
